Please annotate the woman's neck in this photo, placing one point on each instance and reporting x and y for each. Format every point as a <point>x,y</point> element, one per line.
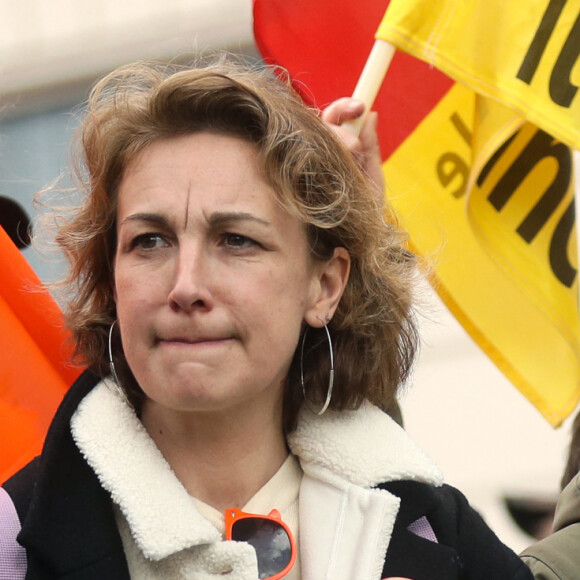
<point>222,459</point>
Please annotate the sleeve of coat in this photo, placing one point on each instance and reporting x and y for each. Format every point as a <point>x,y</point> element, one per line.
<point>481,553</point>
<point>556,557</point>
<point>540,570</point>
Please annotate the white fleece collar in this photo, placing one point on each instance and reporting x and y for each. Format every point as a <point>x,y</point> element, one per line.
<point>130,466</point>
<point>365,447</point>
<point>345,525</point>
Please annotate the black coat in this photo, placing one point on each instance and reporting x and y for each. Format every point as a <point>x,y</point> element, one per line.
<point>69,529</point>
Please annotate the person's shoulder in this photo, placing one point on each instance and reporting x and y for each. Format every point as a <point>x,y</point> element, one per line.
<point>483,553</point>
<point>445,500</point>
<point>556,557</point>
<point>459,527</point>
<point>568,508</point>
<point>23,477</point>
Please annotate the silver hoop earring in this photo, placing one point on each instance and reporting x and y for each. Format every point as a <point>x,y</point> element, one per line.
<point>330,380</point>
<point>120,392</point>
<point>111,363</point>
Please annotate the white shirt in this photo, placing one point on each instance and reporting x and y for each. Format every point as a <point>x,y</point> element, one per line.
<point>280,493</point>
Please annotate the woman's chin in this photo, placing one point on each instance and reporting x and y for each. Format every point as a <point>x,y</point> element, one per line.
<point>188,401</point>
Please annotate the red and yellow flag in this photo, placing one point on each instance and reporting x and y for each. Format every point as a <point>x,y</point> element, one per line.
<point>34,367</point>
<point>487,196</point>
<point>523,54</point>
<point>324,45</point>
<point>508,269</point>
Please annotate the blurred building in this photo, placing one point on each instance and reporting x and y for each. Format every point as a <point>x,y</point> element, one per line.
<point>52,52</point>
<point>489,441</point>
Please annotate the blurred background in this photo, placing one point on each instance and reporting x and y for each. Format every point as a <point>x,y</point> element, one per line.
<point>489,441</point>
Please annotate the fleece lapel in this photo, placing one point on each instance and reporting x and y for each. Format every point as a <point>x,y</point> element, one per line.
<point>346,522</point>
<point>165,534</point>
<point>160,512</point>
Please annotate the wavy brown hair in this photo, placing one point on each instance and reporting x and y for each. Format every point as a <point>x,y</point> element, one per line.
<point>317,180</point>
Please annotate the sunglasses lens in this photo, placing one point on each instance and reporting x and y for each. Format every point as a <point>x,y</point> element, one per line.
<point>270,541</point>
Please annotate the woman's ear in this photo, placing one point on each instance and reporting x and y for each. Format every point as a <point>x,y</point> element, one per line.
<point>331,280</point>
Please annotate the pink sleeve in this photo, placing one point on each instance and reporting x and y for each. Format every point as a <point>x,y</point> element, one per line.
<point>12,554</point>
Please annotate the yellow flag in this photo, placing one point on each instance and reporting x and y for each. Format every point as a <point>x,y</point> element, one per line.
<point>524,53</point>
<point>498,216</point>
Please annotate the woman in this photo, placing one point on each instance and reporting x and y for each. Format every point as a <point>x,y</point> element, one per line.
<point>245,312</point>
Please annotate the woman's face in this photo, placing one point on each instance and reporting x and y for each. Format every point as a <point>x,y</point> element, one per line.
<point>213,279</point>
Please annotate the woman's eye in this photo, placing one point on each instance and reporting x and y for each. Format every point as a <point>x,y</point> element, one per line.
<point>238,242</point>
<point>149,242</point>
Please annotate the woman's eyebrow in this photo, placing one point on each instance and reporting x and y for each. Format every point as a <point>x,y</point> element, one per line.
<point>153,218</point>
<point>220,218</point>
<point>216,219</point>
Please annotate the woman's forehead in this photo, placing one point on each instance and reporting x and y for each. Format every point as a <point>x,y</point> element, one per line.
<point>207,175</point>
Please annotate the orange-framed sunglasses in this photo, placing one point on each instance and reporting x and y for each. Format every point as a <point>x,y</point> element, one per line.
<point>270,537</point>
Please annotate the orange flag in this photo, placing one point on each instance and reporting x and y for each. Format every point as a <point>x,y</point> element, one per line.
<point>35,371</point>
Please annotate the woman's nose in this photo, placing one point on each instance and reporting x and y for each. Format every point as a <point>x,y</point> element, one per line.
<point>189,288</point>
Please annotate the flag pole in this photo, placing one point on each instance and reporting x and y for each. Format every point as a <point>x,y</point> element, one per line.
<point>370,81</point>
